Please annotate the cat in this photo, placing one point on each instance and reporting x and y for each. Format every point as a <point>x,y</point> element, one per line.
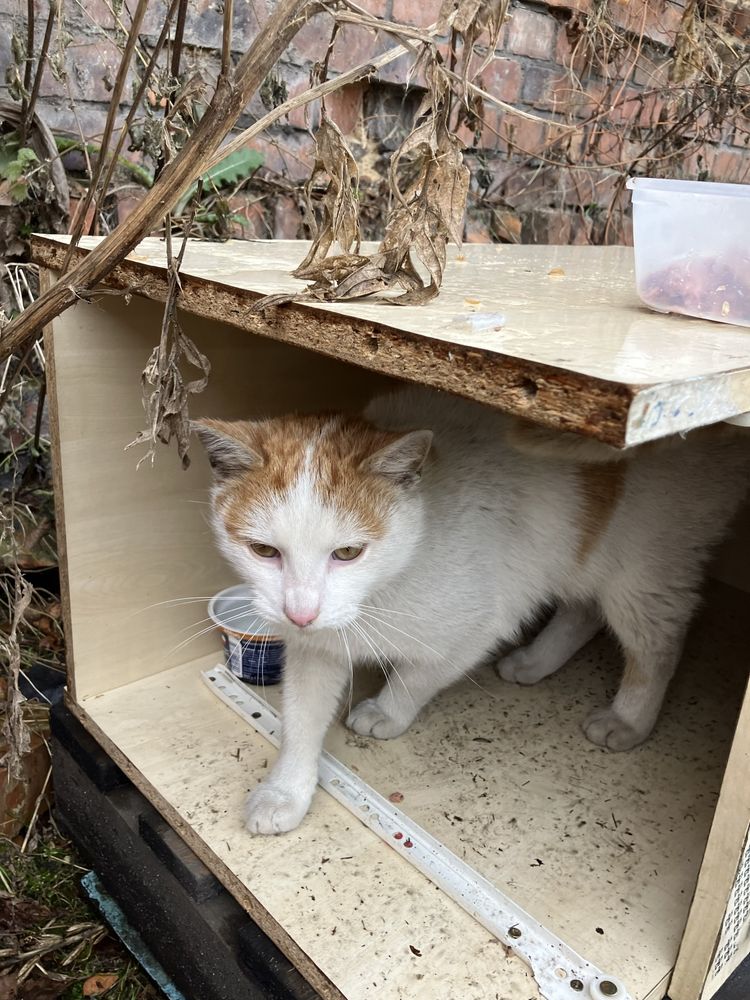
<point>425,533</point>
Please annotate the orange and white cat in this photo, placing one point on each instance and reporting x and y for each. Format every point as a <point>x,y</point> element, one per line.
<point>424,534</point>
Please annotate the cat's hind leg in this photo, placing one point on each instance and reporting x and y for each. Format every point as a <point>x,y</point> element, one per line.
<point>651,628</point>
<point>570,628</point>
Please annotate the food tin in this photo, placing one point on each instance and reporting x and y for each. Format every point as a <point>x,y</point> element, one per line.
<point>252,652</point>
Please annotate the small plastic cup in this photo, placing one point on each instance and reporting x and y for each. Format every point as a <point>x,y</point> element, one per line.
<point>252,652</point>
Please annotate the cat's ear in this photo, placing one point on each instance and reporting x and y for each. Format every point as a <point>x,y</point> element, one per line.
<point>402,459</point>
<point>228,456</point>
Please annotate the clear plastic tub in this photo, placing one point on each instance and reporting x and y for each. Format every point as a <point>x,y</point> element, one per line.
<point>692,247</point>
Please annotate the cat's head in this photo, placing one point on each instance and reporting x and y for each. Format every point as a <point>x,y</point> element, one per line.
<point>316,513</point>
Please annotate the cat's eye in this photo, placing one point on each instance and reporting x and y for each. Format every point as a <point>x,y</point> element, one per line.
<point>347,552</point>
<point>266,551</point>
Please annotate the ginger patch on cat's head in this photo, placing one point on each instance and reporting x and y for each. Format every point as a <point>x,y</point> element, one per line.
<point>347,464</point>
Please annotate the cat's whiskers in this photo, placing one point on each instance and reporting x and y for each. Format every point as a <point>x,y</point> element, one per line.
<point>360,623</point>
<point>379,655</point>
<point>399,652</point>
<point>212,626</point>
<point>390,611</point>
<point>341,633</point>
<point>441,656</point>
<point>176,601</point>
<point>384,621</point>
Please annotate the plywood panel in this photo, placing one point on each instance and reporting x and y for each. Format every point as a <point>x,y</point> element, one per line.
<point>136,539</point>
<point>603,848</point>
<point>353,910</point>
<point>554,333</point>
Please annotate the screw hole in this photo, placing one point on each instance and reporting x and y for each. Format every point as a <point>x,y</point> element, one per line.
<point>576,984</point>
<point>514,932</point>
<point>608,988</point>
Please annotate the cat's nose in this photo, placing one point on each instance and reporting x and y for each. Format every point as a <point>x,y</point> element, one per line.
<point>303,617</point>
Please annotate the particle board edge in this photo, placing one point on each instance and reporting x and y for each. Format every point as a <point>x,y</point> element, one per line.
<point>45,282</point>
<point>301,961</point>
<point>544,394</point>
<point>726,840</point>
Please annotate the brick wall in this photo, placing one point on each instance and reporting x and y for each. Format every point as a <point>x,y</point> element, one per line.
<point>621,72</point>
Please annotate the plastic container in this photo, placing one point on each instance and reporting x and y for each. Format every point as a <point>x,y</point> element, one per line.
<point>692,247</point>
<point>252,652</point>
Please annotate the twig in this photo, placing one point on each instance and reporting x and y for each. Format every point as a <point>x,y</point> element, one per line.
<point>115,157</point>
<point>230,98</point>
<point>30,20</point>
<point>37,804</point>
<point>114,106</point>
<point>179,35</point>
<point>226,38</point>
<point>306,97</point>
<point>40,66</point>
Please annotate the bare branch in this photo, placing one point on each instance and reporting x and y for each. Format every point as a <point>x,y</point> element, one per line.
<point>114,107</point>
<point>228,101</point>
<point>226,38</point>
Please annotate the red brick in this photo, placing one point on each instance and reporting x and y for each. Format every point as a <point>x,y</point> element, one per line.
<point>531,33</point>
<point>418,12</point>
<point>476,229</point>
<point>630,107</point>
<point>287,219</point>
<point>522,135</point>
<point>502,78</point>
<point>606,146</point>
<point>740,24</point>
<point>87,66</point>
<point>356,45</point>
<point>290,156</point>
<point>506,225</point>
<point>657,21</point>
<point>730,165</point>
<point>307,116</point>
<point>345,107</point>
<point>652,72</point>
<point>545,226</point>
<point>741,134</point>
<point>128,198</point>
<point>582,5</point>
<point>311,41</point>
<point>487,137</point>
<point>252,212</point>
<point>548,89</point>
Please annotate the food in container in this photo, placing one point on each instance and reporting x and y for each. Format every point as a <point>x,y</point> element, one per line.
<point>692,247</point>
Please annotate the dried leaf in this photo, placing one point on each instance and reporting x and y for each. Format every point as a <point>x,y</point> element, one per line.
<point>15,731</point>
<point>101,983</point>
<point>339,221</point>
<point>42,988</point>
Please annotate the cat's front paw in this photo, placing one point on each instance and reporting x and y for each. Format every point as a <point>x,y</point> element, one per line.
<point>605,728</point>
<point>270,809</point>
<point>368,719</point>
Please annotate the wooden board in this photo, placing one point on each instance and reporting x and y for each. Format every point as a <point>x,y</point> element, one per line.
<point>726,868</point>
<point>136,540</point>
<point>573,350</point>
<point>604,849</point>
